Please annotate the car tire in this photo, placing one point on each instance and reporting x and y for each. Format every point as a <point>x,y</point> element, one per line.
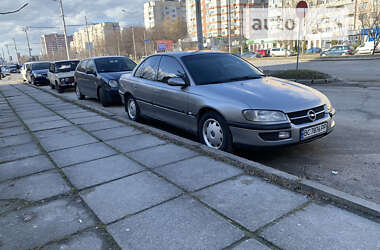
<point>52,86</point>
<point>80,96</point>
<point>59,89</point>
<point>102,98</point>
<point>214,132</point>
<point>131,108</point>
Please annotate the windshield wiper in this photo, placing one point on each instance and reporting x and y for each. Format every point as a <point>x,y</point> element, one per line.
<point>242,78</point>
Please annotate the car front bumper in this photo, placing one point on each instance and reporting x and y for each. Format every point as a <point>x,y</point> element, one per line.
<point>256,138</point>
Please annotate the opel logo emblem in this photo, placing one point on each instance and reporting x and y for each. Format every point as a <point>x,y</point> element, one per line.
<point>311,114</point>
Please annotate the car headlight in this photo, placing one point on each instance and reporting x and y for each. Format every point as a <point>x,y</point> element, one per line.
<point>264,116</point>
<point>329,109</point>
<point>113,83</point>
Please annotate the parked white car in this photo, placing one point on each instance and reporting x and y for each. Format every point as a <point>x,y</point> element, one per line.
<point>366,48</point>
<point>23,71</point>
<point>281,52</point>
<point>61,74</point>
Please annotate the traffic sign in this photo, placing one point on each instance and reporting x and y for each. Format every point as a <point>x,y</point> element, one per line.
<point>301,9</point>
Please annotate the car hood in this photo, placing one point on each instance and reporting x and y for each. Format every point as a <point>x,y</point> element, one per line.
<point>268,93</point>
<point>40,71</point>
<point>113,75</point>
<point>65,74</point>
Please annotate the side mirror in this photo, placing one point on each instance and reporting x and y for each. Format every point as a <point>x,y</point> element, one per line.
<point>177,81</point>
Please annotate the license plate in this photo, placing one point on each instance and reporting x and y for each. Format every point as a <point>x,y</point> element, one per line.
<point>313,131</point>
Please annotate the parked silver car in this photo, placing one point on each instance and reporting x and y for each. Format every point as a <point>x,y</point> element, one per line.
<point>225,100</point>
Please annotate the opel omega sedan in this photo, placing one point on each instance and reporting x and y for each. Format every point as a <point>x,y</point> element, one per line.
<point>225,100</point>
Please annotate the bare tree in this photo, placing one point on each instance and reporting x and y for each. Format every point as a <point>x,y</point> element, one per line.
<point>369,17</point>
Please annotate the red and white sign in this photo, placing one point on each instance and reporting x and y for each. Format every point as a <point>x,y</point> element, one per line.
<point>301,9</point>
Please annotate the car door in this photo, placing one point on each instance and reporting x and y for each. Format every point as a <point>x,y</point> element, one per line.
<point>91,79</point>
<point>170,103</point>
<point>142,81</point>
<point>80,76</point>
<point>51,73</point>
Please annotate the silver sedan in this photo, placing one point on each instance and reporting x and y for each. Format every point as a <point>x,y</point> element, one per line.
<point>225,100</point>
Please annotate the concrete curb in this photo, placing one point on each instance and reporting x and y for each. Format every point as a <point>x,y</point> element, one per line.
<point>292,182</point>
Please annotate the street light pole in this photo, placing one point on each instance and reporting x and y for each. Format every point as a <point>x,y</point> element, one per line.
<point>144,42</point>
<point>198,13</point>
<point>88,38</point>
<point>27,41</point>
<point>229,25</point>
<point>14,42</point>
<point>64,29</point>
<point>134,43</point>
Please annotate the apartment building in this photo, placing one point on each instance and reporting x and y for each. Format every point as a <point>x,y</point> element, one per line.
<point>158,11</point>
<point>97,40</point>
<point>54,43</point>
<point>215,16</point>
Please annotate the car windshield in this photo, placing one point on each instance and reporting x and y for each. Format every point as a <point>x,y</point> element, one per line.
<point>40,66</point>
<point>114,64</point>
<point>219,68</point>
<point>12,67</point>
<point>66,66</point>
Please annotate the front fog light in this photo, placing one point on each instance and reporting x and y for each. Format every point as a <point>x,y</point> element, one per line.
<point>283,135</point>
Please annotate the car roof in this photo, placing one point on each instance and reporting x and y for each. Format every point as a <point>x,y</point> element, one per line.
<point>99,57</point>
<point>76,60</point>
<point>39,62</point>
<point>187,53</point>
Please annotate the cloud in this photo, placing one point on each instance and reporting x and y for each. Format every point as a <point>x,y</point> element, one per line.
<point>46,13</point>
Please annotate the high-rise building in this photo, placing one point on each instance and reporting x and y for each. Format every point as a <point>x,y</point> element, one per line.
<point>158,11</point>
<point>97,39</point>
<point>215,16</point>
<point>54,43</point>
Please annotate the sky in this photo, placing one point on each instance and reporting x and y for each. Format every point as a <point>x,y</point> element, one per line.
<point>46,13</point>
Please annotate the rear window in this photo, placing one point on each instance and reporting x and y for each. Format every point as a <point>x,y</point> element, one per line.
<point>276,49</point>
<point>40,66</point>
<point>114,64</point>
<point>66,66</point>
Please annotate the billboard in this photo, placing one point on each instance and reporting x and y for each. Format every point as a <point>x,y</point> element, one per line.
<point>164,45</point>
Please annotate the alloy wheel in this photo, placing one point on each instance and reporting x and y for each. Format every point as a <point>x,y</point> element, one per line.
<point>132,110</point>
<point>212,133</point>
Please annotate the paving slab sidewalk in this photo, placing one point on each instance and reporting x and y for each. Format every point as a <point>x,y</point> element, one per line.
<point>138,191</point>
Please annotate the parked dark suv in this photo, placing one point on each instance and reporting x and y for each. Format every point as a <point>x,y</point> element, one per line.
<point>99,78</point>
<point>36,72</point>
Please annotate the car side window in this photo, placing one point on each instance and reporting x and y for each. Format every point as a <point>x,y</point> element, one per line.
<point>90,66</point>
<point>148,70</point>
<point>169,67</point>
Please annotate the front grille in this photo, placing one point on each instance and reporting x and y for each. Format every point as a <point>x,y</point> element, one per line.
<point>301,117</point>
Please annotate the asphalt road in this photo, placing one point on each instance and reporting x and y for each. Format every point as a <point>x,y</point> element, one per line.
<point>348,159</point>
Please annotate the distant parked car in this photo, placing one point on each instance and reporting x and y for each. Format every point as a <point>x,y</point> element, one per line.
<point>366,48</point>
<point>225,100</point>
<point>313,50</point>
<point>263,52</point>
<point>281,52</point>
<point>36,73</point>
<point>61,75</point>
<point>339,50</point>
<point>13,68</point>
<point>99,78</point>
<point>249,55</point>
<point>23,71</point>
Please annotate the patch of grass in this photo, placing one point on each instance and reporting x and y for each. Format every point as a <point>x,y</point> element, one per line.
<point>304,74</point>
